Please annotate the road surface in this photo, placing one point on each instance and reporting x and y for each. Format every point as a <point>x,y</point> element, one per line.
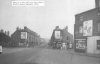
<point>45,56</point>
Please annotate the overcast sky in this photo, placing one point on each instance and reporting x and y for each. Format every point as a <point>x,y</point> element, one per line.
<point>42,19</point>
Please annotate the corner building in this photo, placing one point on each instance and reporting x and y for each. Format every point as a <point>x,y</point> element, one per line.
<point>87,31</point>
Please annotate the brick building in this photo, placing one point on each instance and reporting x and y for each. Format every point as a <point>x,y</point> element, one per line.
<point>67,37</point>
<point>87,30</point>
<point>25,37</point>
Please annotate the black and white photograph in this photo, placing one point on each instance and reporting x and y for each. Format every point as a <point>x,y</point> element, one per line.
<point>49,31</point>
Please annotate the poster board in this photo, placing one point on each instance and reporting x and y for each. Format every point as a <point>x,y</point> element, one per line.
<point>87,28</point>
<point>23,35</point>
<point>57,34</point>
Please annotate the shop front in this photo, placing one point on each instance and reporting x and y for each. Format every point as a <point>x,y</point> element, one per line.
<point>80,45</point>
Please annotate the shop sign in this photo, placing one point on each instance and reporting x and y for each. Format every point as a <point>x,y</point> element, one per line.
<point>23,35</point>
<point>80,43</point>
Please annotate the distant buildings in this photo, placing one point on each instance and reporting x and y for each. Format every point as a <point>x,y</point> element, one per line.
<point>5,32</point>
<point>67,37</point>
<point>60,36</point>
<point>25,37</point>
<point>22,37</point>
<point>87,30</point>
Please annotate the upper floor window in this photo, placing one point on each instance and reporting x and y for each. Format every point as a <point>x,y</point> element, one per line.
<point>98,27</point>
<point>81,18</point>
<point>80,29</point>
<point>67,38</point>
<point>99,3</point>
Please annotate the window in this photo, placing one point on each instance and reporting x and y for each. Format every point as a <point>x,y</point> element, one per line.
<point>98,44</point>
<point>67,38</point>
<point>99,3</point>
<point>81,18</point>
<point>98,27</point>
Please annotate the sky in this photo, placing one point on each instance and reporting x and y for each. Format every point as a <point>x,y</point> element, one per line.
<point>42,19</point>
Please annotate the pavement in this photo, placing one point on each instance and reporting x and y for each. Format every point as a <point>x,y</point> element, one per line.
<point>71,51</point>
<point>83,54</point>
<point>65,57</point>
<point>20,56</point>
<point>42,55</point>
<point>11,50</point>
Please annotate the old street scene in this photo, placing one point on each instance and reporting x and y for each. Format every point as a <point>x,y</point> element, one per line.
<point>50,32</point>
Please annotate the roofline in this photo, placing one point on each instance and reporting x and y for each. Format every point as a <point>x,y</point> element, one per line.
<point>86,11</point>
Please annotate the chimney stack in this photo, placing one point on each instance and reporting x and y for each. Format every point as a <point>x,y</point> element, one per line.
<point>66,28</point>
<point>97,3</point>
<point>57,27</point>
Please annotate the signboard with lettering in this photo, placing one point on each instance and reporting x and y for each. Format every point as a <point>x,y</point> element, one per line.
<point>80,43</point>
<point>98,44</point>
<point>87,28</point>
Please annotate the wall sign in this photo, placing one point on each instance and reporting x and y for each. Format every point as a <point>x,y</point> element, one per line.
<point>58,34</point>
<point>98,27</point>
<point>23,35</point>
<point>87,28</point>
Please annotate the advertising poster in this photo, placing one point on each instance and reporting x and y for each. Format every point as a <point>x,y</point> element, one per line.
<point>80,43</point>
<point>23,35</point>
<point>87,28</point>
<point>57,35</point>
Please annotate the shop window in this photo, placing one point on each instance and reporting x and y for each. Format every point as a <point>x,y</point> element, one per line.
<point>98,44</point>
<point>99,3</point>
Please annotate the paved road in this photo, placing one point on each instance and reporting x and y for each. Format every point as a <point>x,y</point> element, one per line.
<point>45,56</point>
<point>19,57</point>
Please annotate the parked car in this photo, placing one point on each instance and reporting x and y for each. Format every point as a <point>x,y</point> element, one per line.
<point>0,49</point>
